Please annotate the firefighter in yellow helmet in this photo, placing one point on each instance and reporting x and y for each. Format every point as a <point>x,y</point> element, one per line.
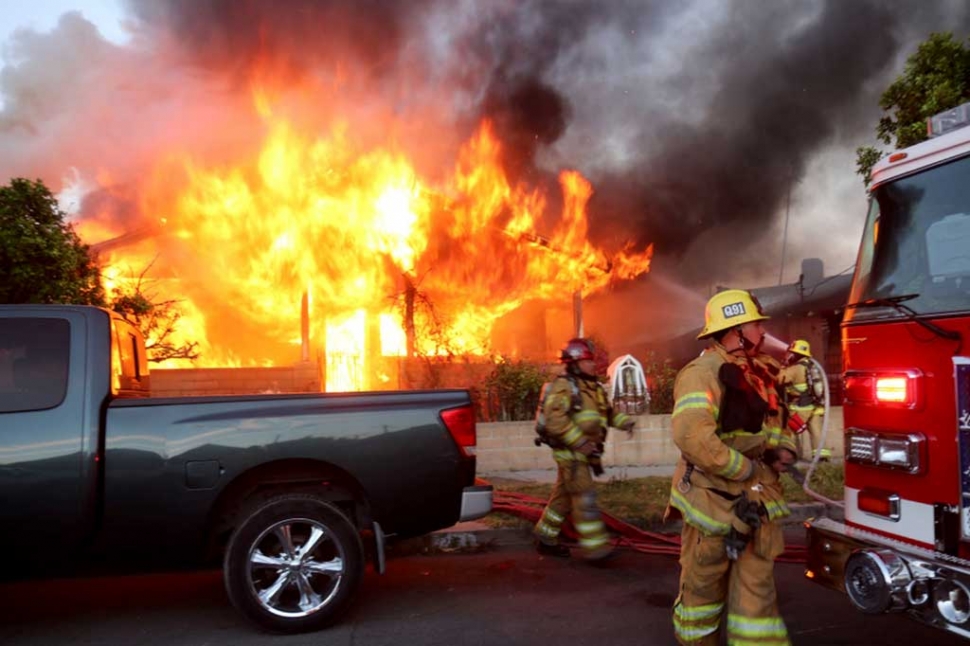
<point>726,486</point>
<point>804,396</point>
<point>572,419</point>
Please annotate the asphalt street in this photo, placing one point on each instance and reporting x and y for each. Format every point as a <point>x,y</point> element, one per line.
<point>503,595</point>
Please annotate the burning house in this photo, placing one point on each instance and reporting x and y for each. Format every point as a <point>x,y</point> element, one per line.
<point>315,250</point>
<point>309,217</point>
<point>368,185</point>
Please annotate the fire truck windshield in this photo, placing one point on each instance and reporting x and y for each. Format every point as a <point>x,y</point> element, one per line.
<point>916,242</point>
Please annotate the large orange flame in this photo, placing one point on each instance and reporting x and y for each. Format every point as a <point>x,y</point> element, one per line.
<point>391,264</point>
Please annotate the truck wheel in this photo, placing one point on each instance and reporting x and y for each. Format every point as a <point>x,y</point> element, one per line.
<point>293,564</point>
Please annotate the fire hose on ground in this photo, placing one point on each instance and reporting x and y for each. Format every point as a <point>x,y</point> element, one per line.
<point>626,535</point>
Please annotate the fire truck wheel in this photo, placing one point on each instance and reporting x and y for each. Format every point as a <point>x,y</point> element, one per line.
<point>293,564</point>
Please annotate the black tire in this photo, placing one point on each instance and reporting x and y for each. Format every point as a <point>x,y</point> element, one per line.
<point>293,589</point>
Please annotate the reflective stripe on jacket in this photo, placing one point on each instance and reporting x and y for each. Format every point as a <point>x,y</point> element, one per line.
<point>574,427</point>
<point>794,378</point>
<point>725,461</point>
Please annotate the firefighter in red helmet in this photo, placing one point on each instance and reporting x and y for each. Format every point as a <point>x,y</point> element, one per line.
<point>572,419</point>
<point>726,423</point>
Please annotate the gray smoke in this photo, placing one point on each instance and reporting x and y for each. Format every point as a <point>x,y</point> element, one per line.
<point>697,122</point>
<point>694,120</point>
<point>293,38</point>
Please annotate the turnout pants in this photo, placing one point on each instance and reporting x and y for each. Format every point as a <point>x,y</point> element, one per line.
<point>811,440</point>
<point>711,583</point>
<point>574,493</point>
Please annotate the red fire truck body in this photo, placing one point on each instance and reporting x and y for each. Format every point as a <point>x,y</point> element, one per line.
<point>904,544</point>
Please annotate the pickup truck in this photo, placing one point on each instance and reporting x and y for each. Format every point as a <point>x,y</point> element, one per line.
<point>292,494</point>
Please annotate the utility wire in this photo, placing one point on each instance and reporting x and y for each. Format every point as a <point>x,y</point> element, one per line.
<point>822,282</point>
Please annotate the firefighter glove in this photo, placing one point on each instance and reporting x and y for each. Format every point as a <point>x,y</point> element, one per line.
<point>748,511</point>
<point>596,459</point>
<point>734,543</point>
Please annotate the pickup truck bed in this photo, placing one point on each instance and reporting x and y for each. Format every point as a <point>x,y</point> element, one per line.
<point>192,455</point>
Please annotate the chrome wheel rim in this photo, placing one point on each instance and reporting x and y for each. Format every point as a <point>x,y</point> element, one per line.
<point>295,567</point>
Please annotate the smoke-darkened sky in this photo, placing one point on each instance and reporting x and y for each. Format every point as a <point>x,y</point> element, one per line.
<point>700,123</point>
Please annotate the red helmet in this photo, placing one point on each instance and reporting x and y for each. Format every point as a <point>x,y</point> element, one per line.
<point>577,350</point>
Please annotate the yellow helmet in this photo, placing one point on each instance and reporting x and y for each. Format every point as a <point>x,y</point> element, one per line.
<point>728,309</point>
<point>800,346</point>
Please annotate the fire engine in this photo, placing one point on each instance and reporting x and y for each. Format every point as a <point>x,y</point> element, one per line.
<point>904,542</point>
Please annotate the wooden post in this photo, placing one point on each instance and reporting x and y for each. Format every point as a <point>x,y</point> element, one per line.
<point>409,294</point>
<point>578,313</point>
<point>305,328</point>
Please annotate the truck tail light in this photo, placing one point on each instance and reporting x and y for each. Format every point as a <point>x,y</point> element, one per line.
<point>460,422</point>
<point>879,502</point>
<point>891,389</point>
<point>902,451</point>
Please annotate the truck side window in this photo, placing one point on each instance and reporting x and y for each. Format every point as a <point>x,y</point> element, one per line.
<point>34,361</point>
<point>948,255</point>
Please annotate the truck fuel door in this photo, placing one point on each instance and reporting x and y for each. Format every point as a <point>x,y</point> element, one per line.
<point>202,474</point>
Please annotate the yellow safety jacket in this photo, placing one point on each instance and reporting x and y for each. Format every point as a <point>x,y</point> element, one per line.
<point>576,411</point>
<point>718,464</point>
<point>795,380</point>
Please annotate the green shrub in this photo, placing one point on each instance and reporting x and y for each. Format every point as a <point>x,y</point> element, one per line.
<point>660,383</point>
<point>511,390</point>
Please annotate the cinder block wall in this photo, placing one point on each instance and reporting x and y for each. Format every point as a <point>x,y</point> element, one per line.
<point>299,378</point>
<point>509,446</point>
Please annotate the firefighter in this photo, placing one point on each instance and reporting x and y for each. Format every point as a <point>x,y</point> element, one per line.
<point>572,419</point>
<point>726,487</point>
<point>803,386</point>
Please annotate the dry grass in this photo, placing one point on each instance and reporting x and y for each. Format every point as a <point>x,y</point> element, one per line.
<point>641,501</point>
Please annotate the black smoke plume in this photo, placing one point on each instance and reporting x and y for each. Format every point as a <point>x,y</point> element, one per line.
<point>695,121</point>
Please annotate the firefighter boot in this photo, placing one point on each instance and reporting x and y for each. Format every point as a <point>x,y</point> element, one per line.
<point>552,549</point>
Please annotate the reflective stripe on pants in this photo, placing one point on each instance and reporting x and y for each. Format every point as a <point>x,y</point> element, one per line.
<point>710,582</point>
<point>573,493</point>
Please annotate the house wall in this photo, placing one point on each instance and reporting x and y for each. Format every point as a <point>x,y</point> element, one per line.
<point>822,333</point>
